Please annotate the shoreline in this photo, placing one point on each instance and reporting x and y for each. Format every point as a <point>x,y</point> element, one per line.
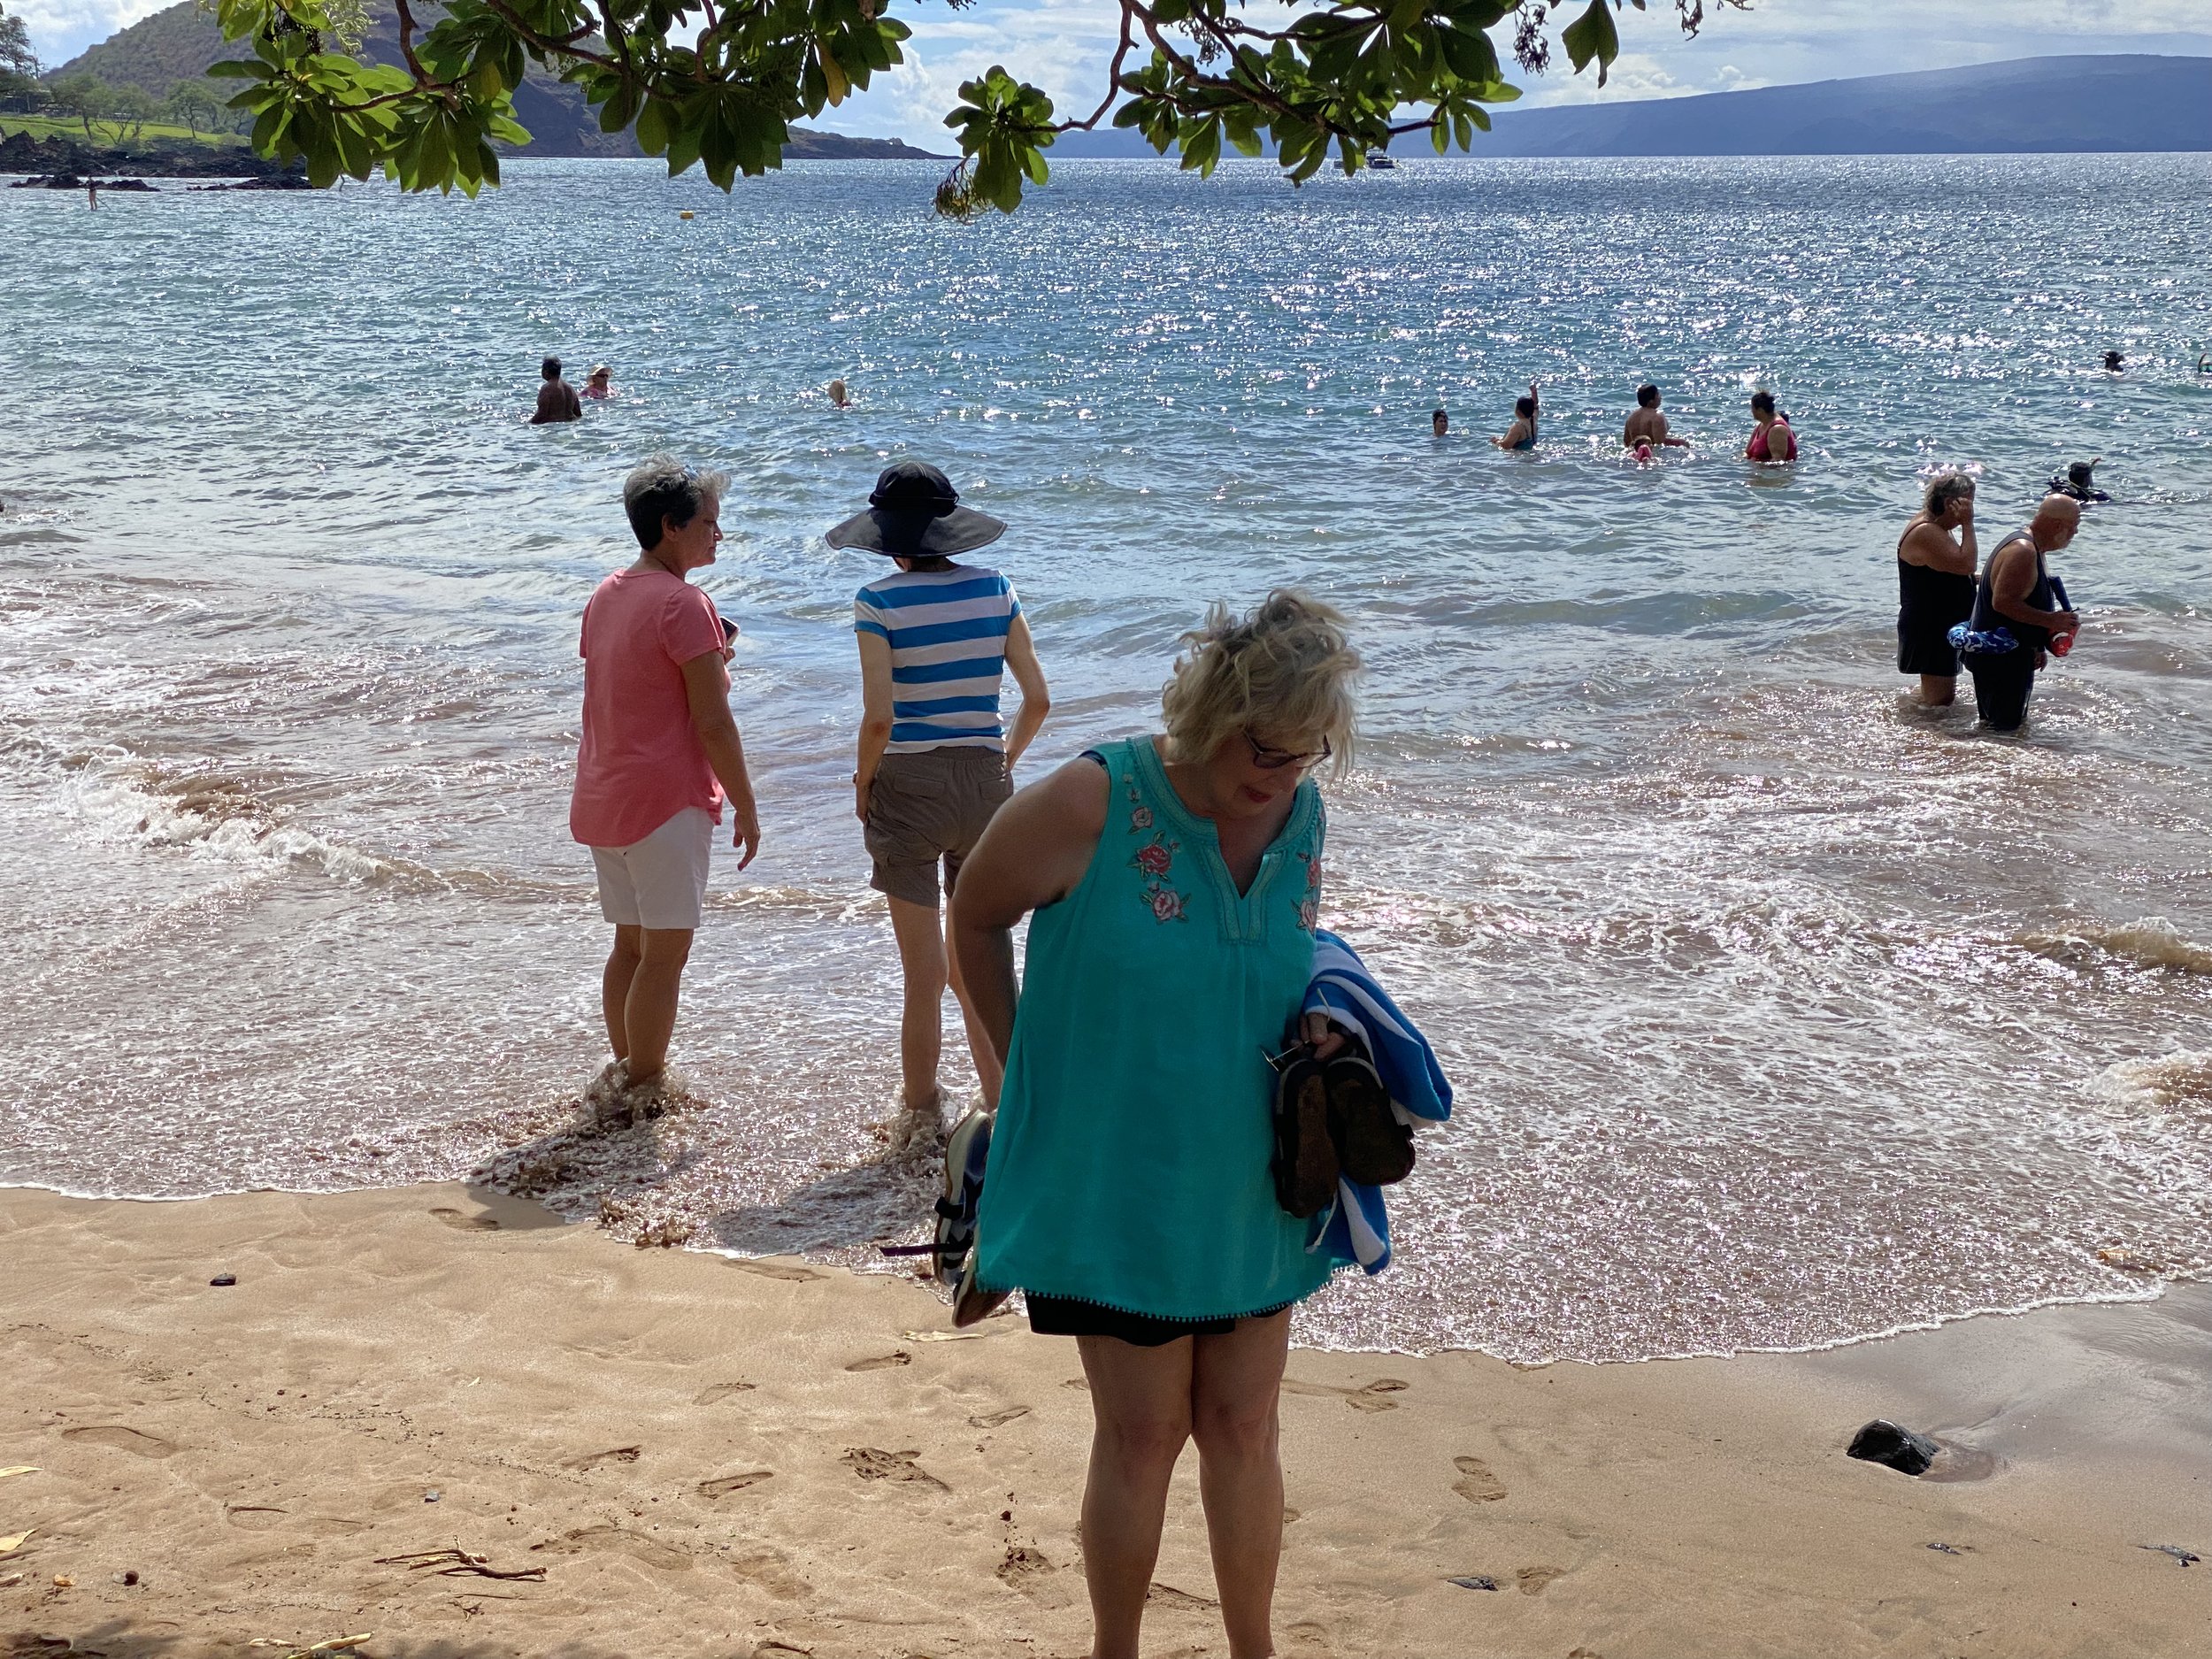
<point>2156,1289</point>
<point>739,1455</point>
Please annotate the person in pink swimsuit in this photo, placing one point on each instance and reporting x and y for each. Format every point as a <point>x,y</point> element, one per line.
<point>1772,440</point>
<point>660,753</point>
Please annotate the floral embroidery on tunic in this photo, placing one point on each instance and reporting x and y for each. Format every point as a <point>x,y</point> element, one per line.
<point>1310,908</point>
<point>1156,862</point>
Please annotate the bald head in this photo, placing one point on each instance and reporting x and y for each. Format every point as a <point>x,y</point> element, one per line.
<point>2055,522</point>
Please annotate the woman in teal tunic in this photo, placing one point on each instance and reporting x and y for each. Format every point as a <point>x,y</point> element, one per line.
<point>1174,882</point>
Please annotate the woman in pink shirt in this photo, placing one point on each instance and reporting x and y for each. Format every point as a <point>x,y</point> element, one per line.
<point>660,753</point>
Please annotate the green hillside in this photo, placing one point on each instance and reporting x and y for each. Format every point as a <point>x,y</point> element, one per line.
<point>155,53</point>
<point>178,43</point>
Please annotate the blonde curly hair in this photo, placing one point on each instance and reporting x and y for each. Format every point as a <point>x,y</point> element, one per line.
<point>1283,674</point>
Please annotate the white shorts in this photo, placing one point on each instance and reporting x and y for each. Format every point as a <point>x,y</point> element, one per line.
<point>662,880</point>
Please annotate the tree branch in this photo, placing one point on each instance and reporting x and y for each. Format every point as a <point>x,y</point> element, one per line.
<point>407,46</point>
<point>563,46</point>
<point>1113,81</point>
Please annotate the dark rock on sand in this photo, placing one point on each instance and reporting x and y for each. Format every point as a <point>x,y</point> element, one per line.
<point>1882,1441</point>
<point>223,1278</point>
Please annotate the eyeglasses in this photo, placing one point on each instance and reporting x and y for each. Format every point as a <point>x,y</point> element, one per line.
<point>1276,759</point>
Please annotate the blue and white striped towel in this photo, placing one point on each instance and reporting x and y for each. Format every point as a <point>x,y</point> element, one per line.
<point>1357,1227</point>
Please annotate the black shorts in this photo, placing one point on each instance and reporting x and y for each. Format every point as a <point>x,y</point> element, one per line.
<point>1064,1316</point>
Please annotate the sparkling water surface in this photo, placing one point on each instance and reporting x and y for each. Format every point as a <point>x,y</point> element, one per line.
<point>1782,1011</point>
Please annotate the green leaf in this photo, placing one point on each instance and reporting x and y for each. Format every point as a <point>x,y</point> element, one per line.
<point>1593,35</point>
<point>652,127</point>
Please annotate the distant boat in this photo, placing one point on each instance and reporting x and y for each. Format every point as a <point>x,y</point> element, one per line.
<point>1381,161</point>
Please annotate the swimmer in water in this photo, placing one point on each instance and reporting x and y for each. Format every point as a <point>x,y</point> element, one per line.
<point>556,399</point>
<point>1773,441</point>
<point>1647,428</point>
<point>2114,364</point>
<point>839,396</point>
<point>1643,452</point>
<point>1521,434</point>
<point>2080,482</point>
<point>1439,423</point>
<point>599,382</point>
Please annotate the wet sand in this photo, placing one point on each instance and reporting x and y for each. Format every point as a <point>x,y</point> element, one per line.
<point>685,1453</point>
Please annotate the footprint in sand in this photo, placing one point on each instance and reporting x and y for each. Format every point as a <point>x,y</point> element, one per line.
<point>998,1419</point>
<point>772,1572</point>
<point>1027,1570</point>
<point>871,1464</point>
<point>782,1271</point>
<point>722,1486</point>
<point>1077,1384</point>
<point>1532,1580</point>
<point>618,1455</point>
<point>883,1361</point>
<point>123,1440</point>
<point>466,1224</point>
<point>1168,1595</point>
<point>652,1552</point>
<point>1476,1484</point>
<point>721,1391</point>
<point>1367,1397</point>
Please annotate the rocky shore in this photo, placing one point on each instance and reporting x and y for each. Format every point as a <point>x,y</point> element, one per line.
<point>56,158</point>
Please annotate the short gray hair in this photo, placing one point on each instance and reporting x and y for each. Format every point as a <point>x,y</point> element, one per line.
<point>663,488</point>
<point>1282,673</point>
<point>1943,489</point>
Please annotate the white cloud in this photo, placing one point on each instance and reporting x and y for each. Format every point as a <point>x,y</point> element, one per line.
<point>1063,46</point>
<point>60,30</point>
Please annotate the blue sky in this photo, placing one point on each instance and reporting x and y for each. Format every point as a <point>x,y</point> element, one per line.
<point>1063,45</point>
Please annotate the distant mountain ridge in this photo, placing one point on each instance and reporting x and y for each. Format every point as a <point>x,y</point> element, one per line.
<point>2030,105</point>
<point>2051,105</point>
<point>180,42</point>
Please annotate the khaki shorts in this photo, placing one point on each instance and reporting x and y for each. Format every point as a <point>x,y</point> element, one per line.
<point>927,807</point>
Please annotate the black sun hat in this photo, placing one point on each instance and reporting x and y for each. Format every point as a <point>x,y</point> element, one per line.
<point>914,512</point>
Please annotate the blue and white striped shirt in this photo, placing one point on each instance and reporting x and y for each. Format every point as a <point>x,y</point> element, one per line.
<point>947,630</point>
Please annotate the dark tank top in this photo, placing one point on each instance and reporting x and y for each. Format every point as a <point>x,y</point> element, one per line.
<point>1929,597</point>
<point>1986,617</point>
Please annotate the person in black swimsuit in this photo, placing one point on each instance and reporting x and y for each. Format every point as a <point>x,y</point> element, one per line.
<point>1935,585</point>
<point>2015,594</point>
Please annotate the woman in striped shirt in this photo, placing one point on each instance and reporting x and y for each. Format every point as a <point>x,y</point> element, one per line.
<point>935,760</point>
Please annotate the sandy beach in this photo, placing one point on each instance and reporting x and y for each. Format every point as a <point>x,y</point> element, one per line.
<point>409,1396</point>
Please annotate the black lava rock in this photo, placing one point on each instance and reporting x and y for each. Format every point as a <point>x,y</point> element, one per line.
<point>1882,1441</point>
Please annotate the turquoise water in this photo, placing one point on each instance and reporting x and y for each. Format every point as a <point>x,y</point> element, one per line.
<point>1783,1011</point>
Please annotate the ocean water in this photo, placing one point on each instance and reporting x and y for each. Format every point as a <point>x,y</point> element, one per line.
<point>1782,1011</point>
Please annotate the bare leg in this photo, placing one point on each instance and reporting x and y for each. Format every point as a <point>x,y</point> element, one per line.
<point>987,1070</point>
<point>649,1010</point>
<point>1140,1406</point>
<point>1236,1389</point>
<point>921,940</point>
<point>614,986</point>
<point>1938,691</point>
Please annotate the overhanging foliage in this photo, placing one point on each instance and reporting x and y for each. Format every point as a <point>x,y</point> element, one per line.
<point>716,85</point>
